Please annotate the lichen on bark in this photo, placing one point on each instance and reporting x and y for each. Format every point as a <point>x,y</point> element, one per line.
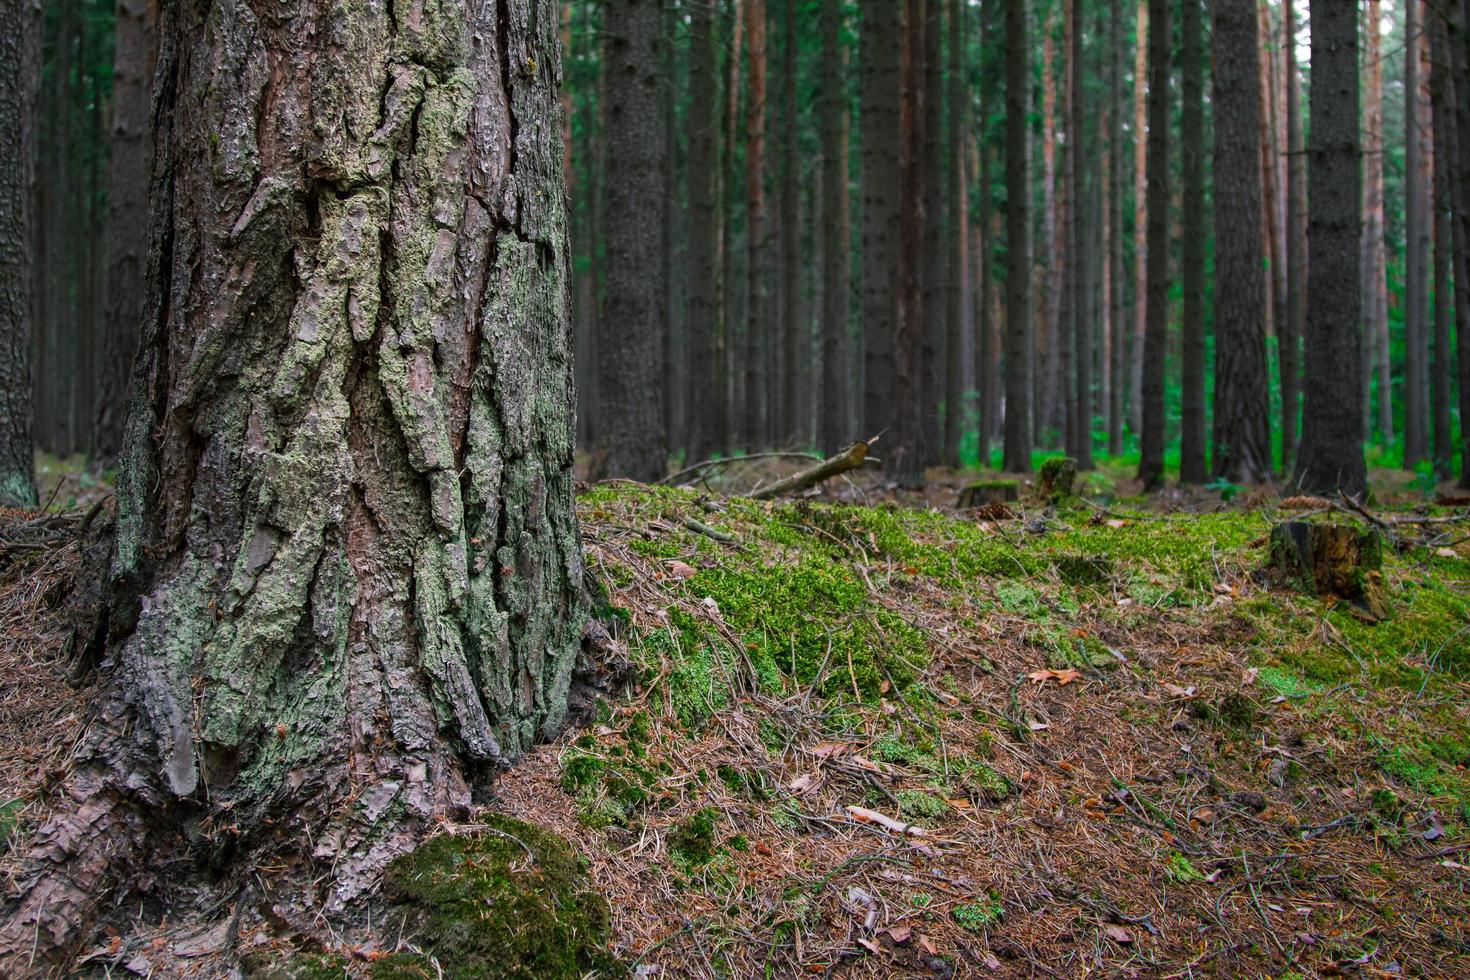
<point>346,582</point>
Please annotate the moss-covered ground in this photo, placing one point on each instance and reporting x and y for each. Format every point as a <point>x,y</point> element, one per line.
<point>1130,749</point>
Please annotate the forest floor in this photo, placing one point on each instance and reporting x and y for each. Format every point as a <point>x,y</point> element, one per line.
<point>1090,738</point>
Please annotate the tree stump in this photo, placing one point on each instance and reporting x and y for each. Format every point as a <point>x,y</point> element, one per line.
<point>1341,560</point>
<point>983,492</point>
<point>1055,478</point>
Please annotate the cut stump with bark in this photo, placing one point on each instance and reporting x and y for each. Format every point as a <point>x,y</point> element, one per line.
<point>1338,560</point>
<point>1056,478</point>
<point>984,492</point>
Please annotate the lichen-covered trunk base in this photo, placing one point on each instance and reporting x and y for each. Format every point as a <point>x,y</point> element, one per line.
<point>345,583</point>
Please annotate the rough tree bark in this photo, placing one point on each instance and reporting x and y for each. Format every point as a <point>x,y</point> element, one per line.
<point>634,441</point>
<point>1242,420</point>
<point>1140,219</point>
<point>957,334</point>
<point>345,580</point>
<point>1289,335</point>
<point>1018,258</point>
<point>934,264</point>
<point>1457,82</point>
<point>705,395</point>
<point>1080,421</point>
<point>1151,458</point>
<point>1331,455</point>
<point>879,88</point>
<point>794,354</point>
<point>833,423</point>
<point>1052,273</point>
<point>20,76</point>
<point>1115,365</point>
<point>1192,247</point>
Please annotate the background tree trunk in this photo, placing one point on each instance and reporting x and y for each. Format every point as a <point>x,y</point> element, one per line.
<point>880,85</point>
<point>1151,457</point>
<point>956,361</point>
<point>933,267</point>
<point>754,420</point>
<point>634,441</point>
<point>1242,417</point>
<point>907,453</point>
<point>833,425</point>
<point>1332,452</point>
<point>346,581</point>
<point>1192,271</point>
<point>1441,377</point>
<point>1018,252</point>
<point>1289,335</point>
<point>705,395</point>
<point>1416,244</point>
<point>1140,220</point>
<point>1374,274</point>
<point>1080,425</point>
<point>20,77</point>
<point>793,354</point>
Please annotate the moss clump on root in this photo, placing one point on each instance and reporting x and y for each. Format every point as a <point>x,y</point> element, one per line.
<point>510,901</point>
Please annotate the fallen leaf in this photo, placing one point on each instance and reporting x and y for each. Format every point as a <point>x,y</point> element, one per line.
<point>681,570</point>
<point>1062,677</point>
<point>826,750</point>
<point>991,963</point>
<point>928,945</point>
<point>1116,523</point>
<point>1179,692</point>
<point>1118,935</point>
<point>804,784</point>
<point>1037,726</point>
<point>900,934</point>
<point>1204,815</point>
<point>869,945</point>
<point>1446,553</point>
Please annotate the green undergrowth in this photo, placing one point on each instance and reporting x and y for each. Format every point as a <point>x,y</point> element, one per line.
<point>822,598</point>
<point>9,818</point>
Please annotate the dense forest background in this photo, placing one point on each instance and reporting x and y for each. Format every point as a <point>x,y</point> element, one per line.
<point>775,168</point>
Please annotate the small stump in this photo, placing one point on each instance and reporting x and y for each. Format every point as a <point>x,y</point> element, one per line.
<point>984,492</point>
<point>1341,560</point>
<point>1056,477</point>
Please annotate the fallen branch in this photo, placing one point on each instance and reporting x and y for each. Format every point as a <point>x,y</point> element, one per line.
<point>825,470</point>
<point>864,815</point>
<point>708,464</point>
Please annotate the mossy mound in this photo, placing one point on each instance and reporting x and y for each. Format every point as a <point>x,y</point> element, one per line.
<point>510,901</point>
<point>1055,478</point>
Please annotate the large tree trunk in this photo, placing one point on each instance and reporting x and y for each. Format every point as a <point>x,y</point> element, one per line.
<point>345,581</point>
<point>880,87</point>
<point>1116,365</point>
<point>1289,335</point>
<point>1053,271</point>
<point>934,263</point>
<point>634,442</point>
<point>1151,458</point>
<point>20,75</point>
<point>1331,455</point>
<point>1192,271</point>
<point>794,357</point>
<point>1018,257</point>
<point>1458,144</point>
<point>833,421</point>
<point>1242,421</point>
<point>1080,417</point>
<point>705,394</point>
<point>130,154</point>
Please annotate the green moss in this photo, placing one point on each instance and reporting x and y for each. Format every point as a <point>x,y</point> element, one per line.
<point>9,819</point>
<point>1083,569</point>
<point>692,842</point>
<point>975,916</point>
<point>1181,871</point>
<point>1283,684</point>
<point>918,805</point>
<point>509,902</point>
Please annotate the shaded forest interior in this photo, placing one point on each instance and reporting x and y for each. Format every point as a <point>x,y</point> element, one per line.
<point>791,224</point>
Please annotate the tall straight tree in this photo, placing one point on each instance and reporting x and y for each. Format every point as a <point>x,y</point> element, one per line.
<point>832,421</point>
<point>934,264</point>
<point>1242,421</point>
<point>632,321</point>
<point>1289,335</point>
<point>127,219</point>
<point>1457,86</point>
<point>706,397</point>
<point>1442,372</point>
<point>795,354</point>
<point>345,580</point>
<point>879,92</point>
<point>907,455</point>
<point>1416,245</point>
<point>1331,456</point>
<point>756,313</point>
<point>1374,272</point>
<point>1017,454</point>
<point>1080,424</point>
<point>1155,340</point>
<point>1140,219</point>
<point>1115,365</point>
<point>1192,246</point>
<point>957,333</point>
<point>20,75</point>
